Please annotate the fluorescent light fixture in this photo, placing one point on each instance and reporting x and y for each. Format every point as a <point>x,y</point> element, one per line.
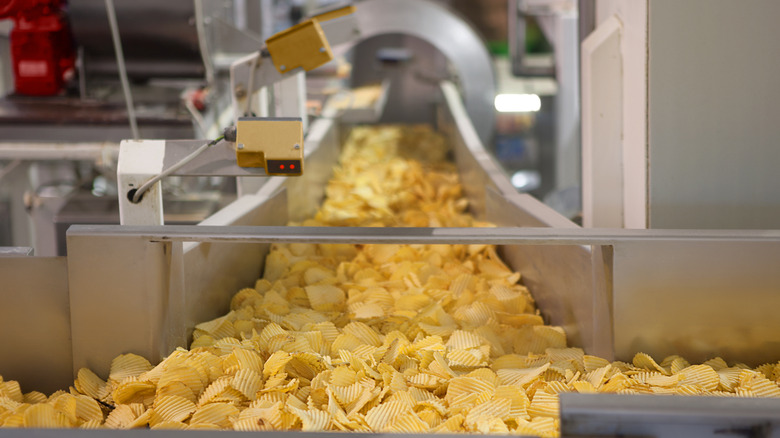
<point>526,180</point>
<point>517,103</point>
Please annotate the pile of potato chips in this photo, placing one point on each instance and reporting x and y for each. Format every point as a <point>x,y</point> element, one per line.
<point>374,338</point>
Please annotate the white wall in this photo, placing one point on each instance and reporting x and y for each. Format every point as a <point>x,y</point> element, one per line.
<point>714,114</point>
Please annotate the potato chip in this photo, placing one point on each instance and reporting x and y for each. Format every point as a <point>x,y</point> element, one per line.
<point>87,409</point>
<point>642,360</point>
<point>520,377</point>
<point>247,382</point>
<point>203,426</point>
<point>702,376</point>
<point>34,397</point>
<point>326,298</point>
<point>87,383</point>
<point>221,327</point>
<point>466,385</point>
<point>43,415</point>
<point>92,424</point>
<point>174,408</point>
<point>219,414</point>
<point>242,358</point>
<point>544,404</point>
<point>122,416</point>
<point>380,418</point>
<point>169,425</point>
<point>128,365</point>
<point>409,423</point>
<point>499,407</point>
<point>134,391</point>
<point>758,384</point>
<point>466,358</point>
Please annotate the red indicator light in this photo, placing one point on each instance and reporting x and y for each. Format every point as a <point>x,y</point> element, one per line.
<point>281,166</point>
<point>292,166</point>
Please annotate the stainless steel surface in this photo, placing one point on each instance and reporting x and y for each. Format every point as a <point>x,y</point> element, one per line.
<point>493,236</point>
<point>667,416</point>
<point>219,159</point>
<point>670,291</point>
<point>212,272</point>
<point>144,297</point>
<point>450,36</point>
<point>159,38</point>
<point>478,171</point>
<point>15,251</point>
<point>575,298</point>
<point>88,151</point>
<point>700,298</point>
<point>35,322</point>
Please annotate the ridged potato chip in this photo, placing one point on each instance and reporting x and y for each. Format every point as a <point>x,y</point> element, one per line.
<point>128,365</point>
<point>90,384</point>
<point>172,408</point>
<point>219,414</point>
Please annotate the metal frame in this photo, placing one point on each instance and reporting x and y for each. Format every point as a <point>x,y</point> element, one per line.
<point>436,25</point>
<point>15,251</point>
<point>610,295</point>
<point>668,416</point>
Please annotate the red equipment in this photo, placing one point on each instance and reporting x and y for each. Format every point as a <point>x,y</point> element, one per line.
<point>41,45</point>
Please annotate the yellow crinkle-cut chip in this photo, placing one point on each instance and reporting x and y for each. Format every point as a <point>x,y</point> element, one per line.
<point>326,298</point>
<point>521,377</point>
<point>123,415</point>
<point>34,397</point>
<point>642,360</point>
<point>174,408</point>
<point>169,425</point>
<point>409,422</point>
<point>135,391</point>
<point>702,376</point>
<point>187,375</point>
<point>87,409</point>
<point>242,358</point>
<point>11,390</point>
<point>92,424</point>
<point>176,388</point>
<point>466,385</point>
<point>128,365</point>
<point>466,358</point>
<point>758,384</point>
<point>44,416</point>
<point>219,414</point>
<point>381,418</point>
<point>247,382</point>
<point>90,384</point>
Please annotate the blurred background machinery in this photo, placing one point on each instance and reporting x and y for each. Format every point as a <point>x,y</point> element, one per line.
<point>518,65</point>
<point>60,124</point>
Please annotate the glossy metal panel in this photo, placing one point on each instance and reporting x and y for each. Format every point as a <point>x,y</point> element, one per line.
<point>35,322</point>
<point>451,36</point>
<point>699,299</point>
<point>590,415</point>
